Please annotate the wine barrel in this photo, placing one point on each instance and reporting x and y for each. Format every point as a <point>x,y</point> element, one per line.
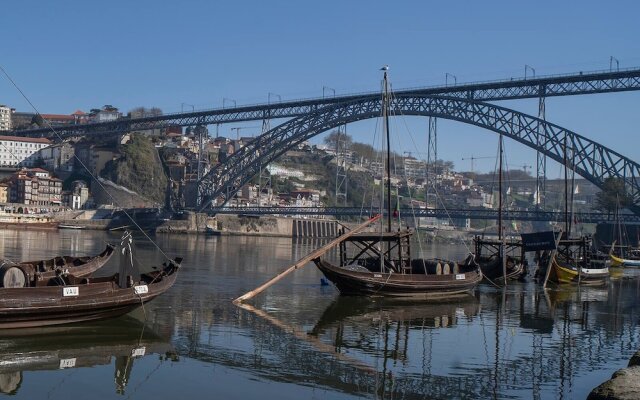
<point>12,277</point>
<point>446,269</point>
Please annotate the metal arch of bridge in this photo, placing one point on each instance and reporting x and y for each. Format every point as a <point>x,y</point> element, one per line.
<point>551,86</point>
<point>590,159</point>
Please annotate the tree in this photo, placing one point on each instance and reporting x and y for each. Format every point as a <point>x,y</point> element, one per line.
<point>613,196</point>
<point>332,139</point>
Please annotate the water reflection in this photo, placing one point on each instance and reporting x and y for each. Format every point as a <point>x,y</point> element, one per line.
<point>302,340</point>
<point>122,340</point>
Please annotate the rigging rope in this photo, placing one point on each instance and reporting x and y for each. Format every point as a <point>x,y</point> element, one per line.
<point>82,164</point>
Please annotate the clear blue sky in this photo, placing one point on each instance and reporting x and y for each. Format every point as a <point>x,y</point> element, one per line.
<point>69,55</point>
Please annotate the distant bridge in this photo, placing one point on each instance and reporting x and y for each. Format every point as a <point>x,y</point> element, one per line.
<point>520,215</point>
<point>465,103</point>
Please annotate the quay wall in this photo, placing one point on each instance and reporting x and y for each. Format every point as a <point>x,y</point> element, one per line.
<point>263,225</point>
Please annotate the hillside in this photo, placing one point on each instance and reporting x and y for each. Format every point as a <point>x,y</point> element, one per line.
<point>139,169</point>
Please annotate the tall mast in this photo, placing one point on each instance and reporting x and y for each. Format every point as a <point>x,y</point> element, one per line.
<point>385,115</point>
<point>500,188</point>
<point>566,190</point>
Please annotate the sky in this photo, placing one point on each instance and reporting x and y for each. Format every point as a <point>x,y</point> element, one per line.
<point>69,55</point>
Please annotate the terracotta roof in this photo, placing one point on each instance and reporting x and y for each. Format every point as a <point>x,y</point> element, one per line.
<point>79,112</point>
<point>25,139</point>
<point>58,117</point>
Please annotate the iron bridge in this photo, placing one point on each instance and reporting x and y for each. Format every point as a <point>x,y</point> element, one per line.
<point>441,213</point>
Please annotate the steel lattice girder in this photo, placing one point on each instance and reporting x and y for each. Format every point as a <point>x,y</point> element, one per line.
<point>462,213</point>
<point>603,82</point>
<point>590,160</point>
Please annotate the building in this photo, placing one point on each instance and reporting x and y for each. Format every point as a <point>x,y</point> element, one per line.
<point>35,187</point>
<point>78,197</point>
<point>58,119</point>
<point>58,157</point>
<point>414,168</point>
<point>5,118</point>
<point>21,151</point>
<point>22,120</point>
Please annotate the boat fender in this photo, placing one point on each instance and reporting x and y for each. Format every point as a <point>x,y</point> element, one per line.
<point>438,269</point>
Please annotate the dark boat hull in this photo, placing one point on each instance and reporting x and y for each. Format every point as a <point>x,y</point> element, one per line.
<point>26,307</point>
<point>399,285</point>
<point>492,269</point>
<point>77,266</point>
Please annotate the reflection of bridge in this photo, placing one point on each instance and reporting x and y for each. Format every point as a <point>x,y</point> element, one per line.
<point>515,215</point>
<point>465,103</point>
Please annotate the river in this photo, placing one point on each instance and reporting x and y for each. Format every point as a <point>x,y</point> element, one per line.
<point>301,340</point>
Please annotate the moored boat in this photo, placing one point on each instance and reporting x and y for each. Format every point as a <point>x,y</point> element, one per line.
<point>380,263</point>
<point>25,273</point>
<point>67,298</point>
<point>572,263</point>
<point>384,273</point>
<point>623,262</point>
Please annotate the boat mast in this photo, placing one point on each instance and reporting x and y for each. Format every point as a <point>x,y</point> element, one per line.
<point>500,188</point>
<point>566,193</point>
<point>385,115</point>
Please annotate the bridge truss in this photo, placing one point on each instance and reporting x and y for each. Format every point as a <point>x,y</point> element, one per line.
<point>590,160</point>
<point>512,89</point>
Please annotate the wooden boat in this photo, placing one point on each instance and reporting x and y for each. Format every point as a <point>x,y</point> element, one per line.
<point>624,262</point>
<point>67,226</point>
<point>399,275</point>
<point>67,298</point>
<point>572,263</point>
<point>497,257</point>
<point>380,263</point>
<point>21,274</point>
<point>488,256</point>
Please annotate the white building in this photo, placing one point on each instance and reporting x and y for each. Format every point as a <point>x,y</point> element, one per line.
<point>18,151</point>
<point>278,170</point>
<point>5,118</point>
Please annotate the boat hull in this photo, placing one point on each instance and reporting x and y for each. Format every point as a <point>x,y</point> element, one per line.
<point>592,276</point>
<point>399,285</point>
<point>623,262</point>
<point>492,269</point>
<point>27,307</point>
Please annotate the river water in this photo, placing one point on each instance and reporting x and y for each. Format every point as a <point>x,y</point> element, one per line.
<point>301,340</point>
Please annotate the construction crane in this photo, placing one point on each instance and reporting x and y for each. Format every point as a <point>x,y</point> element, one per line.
<point>472,158</point>
<point>523,166</point>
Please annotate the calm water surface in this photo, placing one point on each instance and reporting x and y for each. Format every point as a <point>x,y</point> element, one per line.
<point>300,339</point>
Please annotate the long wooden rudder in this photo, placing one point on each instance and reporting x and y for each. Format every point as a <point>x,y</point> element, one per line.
<point>301,262</point>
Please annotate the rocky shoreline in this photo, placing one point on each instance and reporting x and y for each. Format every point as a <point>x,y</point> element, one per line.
<point>623,385</point>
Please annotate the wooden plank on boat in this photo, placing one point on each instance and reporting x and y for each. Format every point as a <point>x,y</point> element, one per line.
<point>301,262</point>
<point>551,257</point>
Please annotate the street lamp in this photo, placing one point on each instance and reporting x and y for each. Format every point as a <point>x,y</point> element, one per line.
<point>224,99</point>
<point>274,95</point>
<point>532,70</point>
<point>446,80</point>
<point>327,88</point>
<point>193,108</point>
<point>611,60</point>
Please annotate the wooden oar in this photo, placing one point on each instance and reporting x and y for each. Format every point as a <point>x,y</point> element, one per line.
<point>301,262</point>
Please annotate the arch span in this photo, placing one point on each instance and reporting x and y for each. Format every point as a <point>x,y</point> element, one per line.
<point>590,160</point>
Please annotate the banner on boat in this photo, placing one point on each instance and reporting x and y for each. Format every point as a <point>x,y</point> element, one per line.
<point>539,241</point>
